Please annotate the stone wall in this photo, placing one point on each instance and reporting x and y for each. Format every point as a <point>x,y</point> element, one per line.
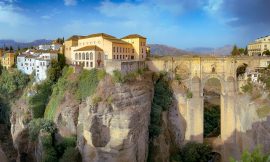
<point>123,66</point>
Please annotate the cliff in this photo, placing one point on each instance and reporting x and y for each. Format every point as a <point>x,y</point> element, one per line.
<point>113,125</point>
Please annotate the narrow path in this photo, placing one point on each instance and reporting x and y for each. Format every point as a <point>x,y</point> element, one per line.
<point>6,143</point>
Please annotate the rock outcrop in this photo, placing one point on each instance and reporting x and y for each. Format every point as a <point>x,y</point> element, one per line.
<point>113,124</point>
<point>3,157</point>
<point>19,119</point>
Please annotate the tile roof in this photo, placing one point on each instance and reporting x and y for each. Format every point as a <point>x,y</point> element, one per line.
<point>116,40</point>
<point>75,37</point>
<point>89,48</point>
<point>133,36</point>
<point>104,35</point>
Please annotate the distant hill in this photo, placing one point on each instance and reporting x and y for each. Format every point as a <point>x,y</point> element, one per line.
<point>15,45</point>
<point>225,50</point>
<point>164,50</point>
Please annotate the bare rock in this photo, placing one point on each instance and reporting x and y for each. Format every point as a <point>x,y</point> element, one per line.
<point>116,128</point>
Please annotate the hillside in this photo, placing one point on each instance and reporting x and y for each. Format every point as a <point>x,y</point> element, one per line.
<point>225,50</point>
<point>15,44</point>
<point>164,50</point>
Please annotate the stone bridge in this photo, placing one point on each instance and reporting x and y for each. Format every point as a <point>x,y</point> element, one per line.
<point>195,71</point>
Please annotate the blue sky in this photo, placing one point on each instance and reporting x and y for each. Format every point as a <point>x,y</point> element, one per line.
<point>179,23</point>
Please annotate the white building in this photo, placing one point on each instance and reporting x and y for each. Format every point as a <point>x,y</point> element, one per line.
<point>47,47</point>
<point>36,63</point>
<point>44,47</point>
<point>259,46</point>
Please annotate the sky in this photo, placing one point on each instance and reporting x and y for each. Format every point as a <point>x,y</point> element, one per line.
<point>179,23</point>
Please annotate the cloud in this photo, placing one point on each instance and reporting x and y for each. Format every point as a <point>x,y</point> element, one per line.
<point>70,2</point>
<point>46,17</point>
<point>248,12</point>
<point>10,14</point>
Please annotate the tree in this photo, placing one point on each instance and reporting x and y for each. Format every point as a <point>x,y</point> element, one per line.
<point>235,51</point>
<point>246,51</point>
<point>10,49</point>
<point>6,49</point>
<point>54,72</point>
<point>241,50</point>
<point>267,53</point>
<point>194,152</point>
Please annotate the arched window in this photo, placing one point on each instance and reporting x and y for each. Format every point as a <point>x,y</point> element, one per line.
<point>80,56</point>
<point>87,56</point>
<point>76,56</point>
<point>91,56</point>
<point>83,56</point>
<point>99,56</point>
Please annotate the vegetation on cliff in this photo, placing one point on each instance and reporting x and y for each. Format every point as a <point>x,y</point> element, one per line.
<point>11,82</point>
<point>58,93</point>
<point>161,102</point>
<point>193,152</point>
<point>41,98</point>
<point>255,156</point>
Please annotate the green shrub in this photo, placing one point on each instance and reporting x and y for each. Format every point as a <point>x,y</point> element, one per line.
<point>263,111</point>
<point>189,95</point>
<point>118,77</point>
<point>194,152</point>
<point>11,81</point>
<point>96,99</point>
<point>130,76</point>
<point>248,88</point>
<point>71,154</point>
<point>101,74</point>
<point>36,125</point>
<point>255,156</point>
<point>64,144</point>
<point>87,84</point>
<point>49,155</point>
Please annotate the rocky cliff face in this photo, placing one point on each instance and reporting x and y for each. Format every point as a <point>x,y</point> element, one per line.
<point>3,157</point>
<point>19,118</point>
<point>113,125</point>
<point>253,122</point>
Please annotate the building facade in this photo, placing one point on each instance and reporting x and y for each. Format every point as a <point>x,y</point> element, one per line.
<point>132,47</point>
<point>37,63</point>
<point>259,46</point>
<point>8,60</point>
<point>88,57</point>
<point>46,47</point>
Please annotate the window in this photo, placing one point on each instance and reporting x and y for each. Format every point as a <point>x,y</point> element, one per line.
<point>80,56</point>
<point>113,49</point>
<point>91,64</point>
<point>120,49</point>
<point>117,49</point>
<point>91,56</point>
<point>132,50</point>
<point>87,64</point>
<point>76,56</point>
<point>87,56</point>
<point>99,56</point>
<point>117,57</point>
<point>142,50</point>
<point>132,57</point>
<point>83,56</point>
<point>120,57</point>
